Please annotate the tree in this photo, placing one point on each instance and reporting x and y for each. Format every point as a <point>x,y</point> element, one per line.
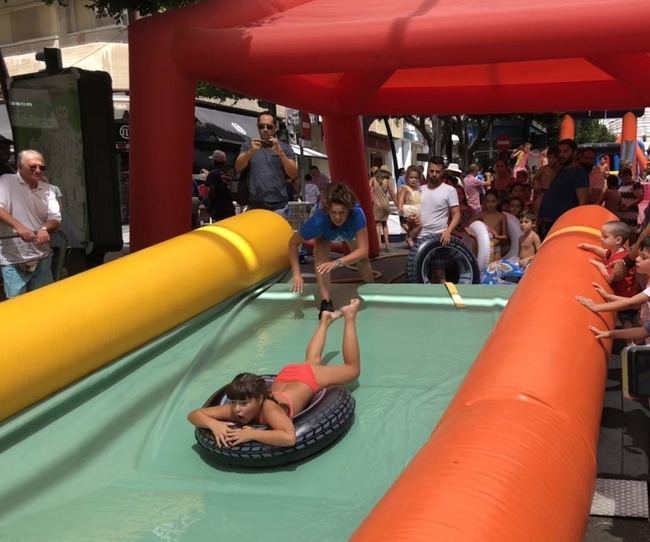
<point>593,131</point>
<point>457,125</point>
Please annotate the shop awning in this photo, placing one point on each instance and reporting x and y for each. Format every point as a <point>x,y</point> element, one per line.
<point>227,127</point>
<point>307,152</point>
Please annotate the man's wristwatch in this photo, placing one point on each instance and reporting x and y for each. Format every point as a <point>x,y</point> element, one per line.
<point>339,263</point>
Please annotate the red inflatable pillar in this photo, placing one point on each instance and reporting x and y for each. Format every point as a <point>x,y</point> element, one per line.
<point>161,137</point>
<point>346,152</point>
<point>628,140</point>
<point>567,127</point>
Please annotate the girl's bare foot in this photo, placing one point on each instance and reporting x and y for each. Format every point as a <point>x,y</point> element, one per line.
<point>350,310</point>
<point>330,316</point>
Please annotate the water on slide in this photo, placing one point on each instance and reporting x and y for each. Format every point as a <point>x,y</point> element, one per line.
<point>112,457</point>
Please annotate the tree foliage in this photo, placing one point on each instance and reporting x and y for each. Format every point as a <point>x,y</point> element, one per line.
<point>208,90</point>
<point>457,125</point>
<point>593,131</point>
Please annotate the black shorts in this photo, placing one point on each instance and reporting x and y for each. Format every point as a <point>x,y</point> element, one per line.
<point>629,315</point>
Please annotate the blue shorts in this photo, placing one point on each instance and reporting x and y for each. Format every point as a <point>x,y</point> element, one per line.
<point>17,281</point>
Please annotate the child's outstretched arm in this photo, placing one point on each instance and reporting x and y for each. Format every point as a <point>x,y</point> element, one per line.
<point>632,333</point>
<point>598,251</point>
<point>605,295</point>
<point>602,268</point>
<point>611,306</point>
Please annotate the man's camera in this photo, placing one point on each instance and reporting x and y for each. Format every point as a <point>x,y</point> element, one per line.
<point>266,143</point>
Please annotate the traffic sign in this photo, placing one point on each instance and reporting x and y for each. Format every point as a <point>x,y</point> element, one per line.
<point>504,142</point>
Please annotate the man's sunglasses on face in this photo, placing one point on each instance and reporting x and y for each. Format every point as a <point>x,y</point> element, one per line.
<point>33,169</point>
<point>265,126</point>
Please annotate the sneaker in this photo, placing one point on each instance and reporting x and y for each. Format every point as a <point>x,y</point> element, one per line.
<point>325,305</point>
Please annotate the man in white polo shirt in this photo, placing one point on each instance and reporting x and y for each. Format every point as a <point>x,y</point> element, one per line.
<point>29,211</point>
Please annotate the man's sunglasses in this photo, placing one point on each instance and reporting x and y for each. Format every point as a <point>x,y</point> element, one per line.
<point>266,126</point>
<point>37,168</point>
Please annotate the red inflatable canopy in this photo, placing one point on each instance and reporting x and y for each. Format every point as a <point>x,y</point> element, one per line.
<point>342,59</point>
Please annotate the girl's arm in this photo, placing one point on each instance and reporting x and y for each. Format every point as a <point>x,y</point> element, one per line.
<point>295,240</point>
<point>391,191</point>
<point>611,306</point>
<point>214,419</point>
<point>632,333</point>
<point>281,430</point>
<point>401,196</point>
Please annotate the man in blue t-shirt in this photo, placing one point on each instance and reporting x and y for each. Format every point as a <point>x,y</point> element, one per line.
<point>569,189</point>
<point>339,220</point>
<point>271,162</point>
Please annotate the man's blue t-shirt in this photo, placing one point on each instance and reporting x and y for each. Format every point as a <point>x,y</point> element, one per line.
<point>320,225</point>
<point>561,195</point>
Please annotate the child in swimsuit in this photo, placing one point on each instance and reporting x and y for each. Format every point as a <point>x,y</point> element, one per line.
<point>291,391</point>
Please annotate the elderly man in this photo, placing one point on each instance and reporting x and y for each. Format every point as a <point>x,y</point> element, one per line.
<point>29,211</point>
<point>270,163</point>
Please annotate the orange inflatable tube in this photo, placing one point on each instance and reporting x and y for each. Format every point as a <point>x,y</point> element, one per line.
<point>514,456</point>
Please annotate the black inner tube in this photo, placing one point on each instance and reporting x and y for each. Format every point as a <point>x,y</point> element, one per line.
<point>455,258</point>
<point>327,417</point>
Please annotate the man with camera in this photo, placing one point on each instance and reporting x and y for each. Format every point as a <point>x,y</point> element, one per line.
<point>270,162</point>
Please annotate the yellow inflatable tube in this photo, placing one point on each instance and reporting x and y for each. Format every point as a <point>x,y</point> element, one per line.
<point>53,336</point>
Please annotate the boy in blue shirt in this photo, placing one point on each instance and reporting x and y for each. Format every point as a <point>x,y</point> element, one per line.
<point>340,219</point>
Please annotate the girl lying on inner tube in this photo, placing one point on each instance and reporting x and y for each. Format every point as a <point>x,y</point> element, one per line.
<point>291,391</point>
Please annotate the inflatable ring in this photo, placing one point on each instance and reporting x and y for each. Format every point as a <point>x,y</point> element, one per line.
<point>482,238</point>
<point>327,418</point>
<point>514,233</point>
<point>460,264</point>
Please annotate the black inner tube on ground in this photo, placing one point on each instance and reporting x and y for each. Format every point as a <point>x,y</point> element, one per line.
<point>327,418</point>
<point>457,259</point>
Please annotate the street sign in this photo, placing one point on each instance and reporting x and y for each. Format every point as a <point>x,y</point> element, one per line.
<point>503,142</point>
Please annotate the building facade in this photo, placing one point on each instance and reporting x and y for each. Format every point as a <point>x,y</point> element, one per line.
<point>86,40</point>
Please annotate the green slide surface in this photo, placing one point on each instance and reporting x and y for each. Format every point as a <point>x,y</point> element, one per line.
<point>112,457</point>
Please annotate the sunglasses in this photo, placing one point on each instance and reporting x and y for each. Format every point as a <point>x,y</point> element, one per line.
<point>266,126</point>
<point>37,168</point>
